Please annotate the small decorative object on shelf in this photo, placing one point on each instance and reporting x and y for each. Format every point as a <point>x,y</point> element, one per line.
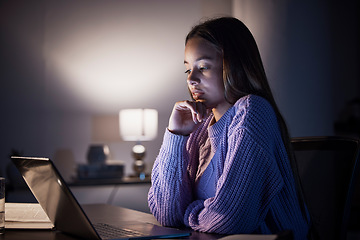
<point>98,166</point>
<point>98,154</point>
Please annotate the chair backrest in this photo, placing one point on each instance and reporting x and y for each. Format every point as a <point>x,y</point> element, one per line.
<point>327,169</point>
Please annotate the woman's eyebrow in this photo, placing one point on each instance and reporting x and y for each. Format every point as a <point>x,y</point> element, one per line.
<point>201,58</point>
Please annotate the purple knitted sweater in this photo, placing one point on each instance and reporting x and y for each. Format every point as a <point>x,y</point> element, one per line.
<point>254,186</point>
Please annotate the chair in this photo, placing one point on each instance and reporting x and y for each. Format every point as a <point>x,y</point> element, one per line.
<point>327,169</point>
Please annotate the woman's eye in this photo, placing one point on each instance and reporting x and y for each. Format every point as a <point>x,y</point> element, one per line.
<point>188,71</point>
<point>203,68</point>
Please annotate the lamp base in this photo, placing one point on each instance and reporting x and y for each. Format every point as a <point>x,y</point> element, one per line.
<point>139,169</point>
<point>142,176</point>
<point>139,165</point>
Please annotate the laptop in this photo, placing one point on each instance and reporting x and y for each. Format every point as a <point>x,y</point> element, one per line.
<point>64,211</point>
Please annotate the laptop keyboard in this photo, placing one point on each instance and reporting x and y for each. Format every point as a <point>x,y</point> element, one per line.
<point>107,231</point>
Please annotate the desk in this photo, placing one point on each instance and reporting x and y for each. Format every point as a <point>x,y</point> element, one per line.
<point>107,213</point>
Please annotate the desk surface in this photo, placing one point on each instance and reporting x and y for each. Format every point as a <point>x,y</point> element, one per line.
<point>94,211</point>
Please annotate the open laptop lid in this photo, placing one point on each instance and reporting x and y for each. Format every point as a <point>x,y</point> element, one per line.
<point>51,191</point>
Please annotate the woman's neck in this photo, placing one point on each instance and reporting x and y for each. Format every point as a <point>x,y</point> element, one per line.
<point>219,111</point>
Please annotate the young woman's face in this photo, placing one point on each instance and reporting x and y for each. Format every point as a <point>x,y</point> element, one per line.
<point>204,69</point>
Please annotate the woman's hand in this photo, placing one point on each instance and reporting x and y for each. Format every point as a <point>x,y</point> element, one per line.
<point>185,117</point>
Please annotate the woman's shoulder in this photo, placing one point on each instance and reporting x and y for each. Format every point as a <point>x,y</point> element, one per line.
<point>253,110</point>
<point>251,102</point>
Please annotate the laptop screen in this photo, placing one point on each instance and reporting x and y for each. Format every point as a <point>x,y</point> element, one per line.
<point>54,196</point>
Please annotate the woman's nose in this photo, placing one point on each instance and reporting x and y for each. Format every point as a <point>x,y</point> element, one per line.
<point>192,79</point>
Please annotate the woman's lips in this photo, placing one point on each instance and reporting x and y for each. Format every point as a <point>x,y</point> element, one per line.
<point>197,93</point>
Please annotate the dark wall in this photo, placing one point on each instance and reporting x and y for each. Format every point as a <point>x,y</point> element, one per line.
<point>320,72</point>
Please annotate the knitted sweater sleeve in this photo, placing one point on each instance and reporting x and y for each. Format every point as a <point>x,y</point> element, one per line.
<point>170,191</point>
<point>249,181</point>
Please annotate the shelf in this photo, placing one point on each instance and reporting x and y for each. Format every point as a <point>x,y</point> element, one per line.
<point>109,181</point>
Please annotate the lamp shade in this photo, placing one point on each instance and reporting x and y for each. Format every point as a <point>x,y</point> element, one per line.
<point>138,124</point>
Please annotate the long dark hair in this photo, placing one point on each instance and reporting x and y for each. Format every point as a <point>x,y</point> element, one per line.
<point>243,71</point>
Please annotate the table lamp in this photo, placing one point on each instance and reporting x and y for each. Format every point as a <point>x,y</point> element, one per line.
<point>138,125</point>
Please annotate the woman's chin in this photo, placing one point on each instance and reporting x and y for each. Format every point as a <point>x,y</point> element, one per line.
<point>206,103</point>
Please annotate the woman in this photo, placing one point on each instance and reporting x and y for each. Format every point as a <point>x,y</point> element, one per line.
<point>225,163</point>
